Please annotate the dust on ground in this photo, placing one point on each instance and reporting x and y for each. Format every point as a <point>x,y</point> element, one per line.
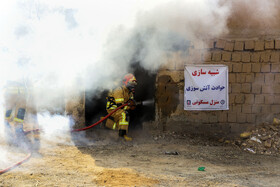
<point>151,159</point>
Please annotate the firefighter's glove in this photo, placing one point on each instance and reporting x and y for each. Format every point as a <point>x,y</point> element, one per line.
<point>132,104</point>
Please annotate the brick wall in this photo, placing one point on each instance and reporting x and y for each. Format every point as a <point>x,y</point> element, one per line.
<point>254,85</point>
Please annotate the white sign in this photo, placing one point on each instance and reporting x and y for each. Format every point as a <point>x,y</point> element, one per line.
<point>206,87</point>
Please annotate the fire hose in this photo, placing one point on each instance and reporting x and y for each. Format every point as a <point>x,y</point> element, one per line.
<point>73,130</point>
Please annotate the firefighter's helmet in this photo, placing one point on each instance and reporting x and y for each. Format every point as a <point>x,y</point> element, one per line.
<point>130,81</point>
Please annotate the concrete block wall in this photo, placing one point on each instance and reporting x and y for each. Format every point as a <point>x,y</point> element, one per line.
<point>254,85</point>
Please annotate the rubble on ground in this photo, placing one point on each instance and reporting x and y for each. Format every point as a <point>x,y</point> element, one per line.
<point>264,139</point>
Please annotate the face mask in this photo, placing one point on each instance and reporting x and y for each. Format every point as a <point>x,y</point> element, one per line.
<point>131,86</point>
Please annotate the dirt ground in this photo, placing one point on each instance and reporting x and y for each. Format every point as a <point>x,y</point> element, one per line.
<point>151,159</point>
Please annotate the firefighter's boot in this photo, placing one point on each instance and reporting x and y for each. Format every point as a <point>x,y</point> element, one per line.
<point>127,138</point>
<point>122,133</point>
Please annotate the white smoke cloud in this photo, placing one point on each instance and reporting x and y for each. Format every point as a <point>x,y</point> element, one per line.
<point>54,42</point>
<point>55,128</point>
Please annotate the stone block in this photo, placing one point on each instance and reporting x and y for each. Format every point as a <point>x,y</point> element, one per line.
<point>255,56</point>
<point>209,44</point>
<point>260,118</point>
<point>232,117</point>
<point>237,67</point>
<point>269,44</point>
<point>259,99</point>
<point>274,57</point>
<point>241,118</point>
<point>239,99</point>
<point>245,57</point>
<point>268,99</point>
<point>231,78</point>
<point>238,45</point>
<point>251,118</point>
<point>222,117</point>
<point>275,108</point>
<point>267,89</point>
<point>266,109</point>
<point>216,56</point>
<point>259,78</point>
<point>256,88</point>
<point>247,68</point>
<point>207,56</point>
<point>276,99</point>
<point>256,109</point>
<point>236,56</point>
<point>259,45</point>
<point>236,108</point>
<point>277,78</point>
<point>265,56</point>
<point>226,56</point>
<point>220,44</point>
<point>275,68</point>
<point>246,88</point>
<point>276,88</point>
<point>277,43</point>
<point>249,78</point>
<point>249,45</point>
<point>230,67</point>
<point>213,118</point>
<point>256,67</point>
<point>232,98</point>
<point>247,109</point>
<point>235,88</point>
<point>265,68</point>
<point>201,118</point>
<point>249,98</point>
<point>268,77</point>
<point>241,77</point>
<point>229,46</point>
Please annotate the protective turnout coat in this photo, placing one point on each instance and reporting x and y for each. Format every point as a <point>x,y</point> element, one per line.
<point>119,119</point>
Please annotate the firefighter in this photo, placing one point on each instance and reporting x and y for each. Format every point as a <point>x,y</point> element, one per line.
<point>16,96</point>
<point>117,97</point>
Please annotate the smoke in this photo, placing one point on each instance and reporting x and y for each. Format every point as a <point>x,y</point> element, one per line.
<point>55,43</point>
<point>55,129</point>
<point>253,17</point>
<point>61,47</point>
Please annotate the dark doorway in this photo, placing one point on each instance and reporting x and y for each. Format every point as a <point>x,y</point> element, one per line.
<point>145,92</point>
<point>95,107</point>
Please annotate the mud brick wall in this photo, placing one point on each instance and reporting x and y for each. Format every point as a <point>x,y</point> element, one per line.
<point>254,86</point>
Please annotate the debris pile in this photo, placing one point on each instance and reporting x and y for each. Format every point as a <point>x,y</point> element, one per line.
<point>264,139</point>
